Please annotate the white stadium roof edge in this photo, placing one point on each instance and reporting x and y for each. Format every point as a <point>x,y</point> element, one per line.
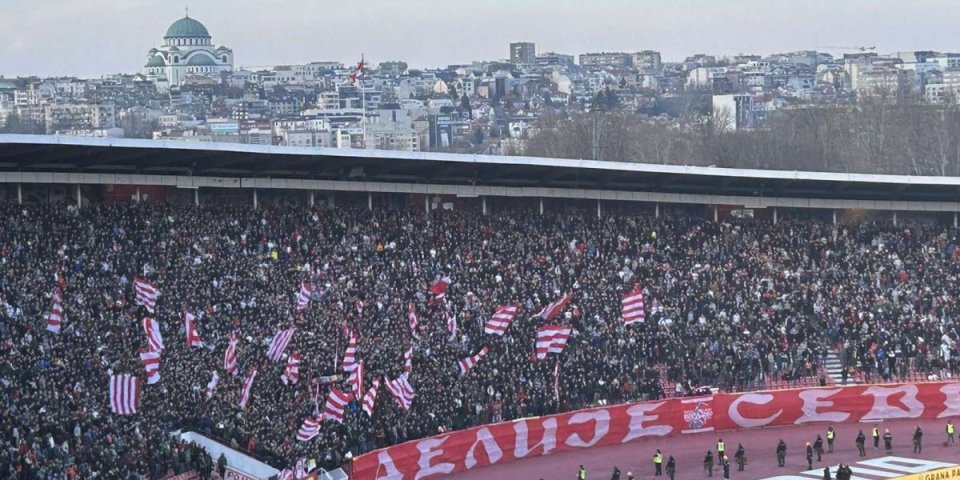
<point>946,196</point>
<point>480,159</point>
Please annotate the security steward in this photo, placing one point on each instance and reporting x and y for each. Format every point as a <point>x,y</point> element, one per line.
<point>781,453</point>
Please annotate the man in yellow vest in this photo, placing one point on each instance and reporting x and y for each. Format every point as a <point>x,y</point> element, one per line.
<point>582,473</point>
<point>657,463</point>
<point>876,437</point>
<point>720,448</point>
<point>831,434</point>
<point>950,430</point>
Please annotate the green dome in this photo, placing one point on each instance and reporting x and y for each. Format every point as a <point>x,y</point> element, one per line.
<point>187,27</point>
<point>201,59</point>
<point>156,61</point>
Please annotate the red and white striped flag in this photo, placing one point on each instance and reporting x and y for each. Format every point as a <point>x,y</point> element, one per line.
<point>190,327</point>
<point>247,385</point>
<point>356,379</point>
<point>55,315</point>
<point>212,386</point>
<point>500,321</point>
<point>370,398</point>
<point>633,309</point>
<point>408,360</point>
<point>350,356</point>
<point>551,311</point>
<point>402,390</point>
<point>124,394</point>
<point>552,339</point>
<point>279,343</point>
<point>230,357</point>
<point>467,363</point>
<point>152,328</point>
<point>291,373</point>
<point>451,324</point>
<point>309,430</point>
<point>303,298</point>
<point>147,293</point>
<point>151,362</point>
<point>414,321</point>
<point>336,402</point>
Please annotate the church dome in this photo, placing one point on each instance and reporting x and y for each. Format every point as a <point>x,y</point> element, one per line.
<point>187,27</point>
<point>156,61</point>
<point>201,59</point>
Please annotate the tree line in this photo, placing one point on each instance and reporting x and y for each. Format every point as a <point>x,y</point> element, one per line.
<point>873,136</point>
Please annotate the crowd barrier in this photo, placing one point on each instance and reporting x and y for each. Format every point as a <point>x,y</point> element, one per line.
<point>240,466</point>
<point>595,427</point>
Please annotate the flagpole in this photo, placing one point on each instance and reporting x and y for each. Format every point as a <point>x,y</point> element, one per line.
<point>363,101</point>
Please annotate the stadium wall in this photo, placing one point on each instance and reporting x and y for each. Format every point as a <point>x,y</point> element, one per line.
<point>197,182</point>
<point>530,437</point>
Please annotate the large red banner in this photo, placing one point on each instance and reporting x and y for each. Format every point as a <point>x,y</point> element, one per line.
<point>504,442</point>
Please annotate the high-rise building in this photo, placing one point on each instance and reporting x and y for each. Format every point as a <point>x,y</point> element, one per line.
<point>187,50</point>
<point>523,53</point>
<point>647,60</point>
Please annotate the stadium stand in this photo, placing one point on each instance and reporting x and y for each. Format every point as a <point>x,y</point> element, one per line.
<point>735,304</point>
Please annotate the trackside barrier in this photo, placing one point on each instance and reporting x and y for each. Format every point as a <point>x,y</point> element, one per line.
<point>504,442</point>
<point>239,466</point>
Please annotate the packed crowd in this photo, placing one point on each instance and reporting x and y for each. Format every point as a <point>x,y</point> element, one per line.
<point>729,304</point>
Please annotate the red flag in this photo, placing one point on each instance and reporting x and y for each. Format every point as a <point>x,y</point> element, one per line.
<point>551,310</point>
<point>124,394</point>
<point>467,363</point>
<point>291,373</point>
<point>552,339</point>
<point>247,385</point>
<point>55,315</point>
<point>402,390</point>
<point>147,293</point>
<point>151,362</point>
<point>370,398</point>
<point>190,327</point>
<point>336,402</point>
<point>632,307</point>
<point>279,343</point>
<point>501,320</point>
<point>230,357</point>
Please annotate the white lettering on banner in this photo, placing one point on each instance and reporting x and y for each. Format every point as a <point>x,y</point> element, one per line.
<point>813,400</point>
<point>600,427</point>
<point>233,474</point>
<point>638,416</point>
<point>901,465</point>
<point>427,453</point>
<point>881,402</point>
<point>548,441</point>
<point>489,445</point>
<point>891,470</point>
<point>952,403</point>
<point>388,467</point>
<point>756,399</point>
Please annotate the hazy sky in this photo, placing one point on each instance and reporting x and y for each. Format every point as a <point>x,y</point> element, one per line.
<point>95,37</point>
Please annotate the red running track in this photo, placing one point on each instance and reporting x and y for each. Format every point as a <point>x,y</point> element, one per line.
<point>760,445</point>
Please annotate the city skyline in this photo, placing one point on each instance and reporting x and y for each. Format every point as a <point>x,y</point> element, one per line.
<point>437,33</point>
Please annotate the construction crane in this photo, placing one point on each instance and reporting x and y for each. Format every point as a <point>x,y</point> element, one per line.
<point>862,49</point>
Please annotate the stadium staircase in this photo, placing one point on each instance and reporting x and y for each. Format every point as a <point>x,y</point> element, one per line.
<point>834,368</point>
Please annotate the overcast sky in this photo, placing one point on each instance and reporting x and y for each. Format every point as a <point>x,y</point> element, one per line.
<point>95,37</point>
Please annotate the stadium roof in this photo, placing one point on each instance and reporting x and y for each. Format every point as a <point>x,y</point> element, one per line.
<point>47,153</point>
